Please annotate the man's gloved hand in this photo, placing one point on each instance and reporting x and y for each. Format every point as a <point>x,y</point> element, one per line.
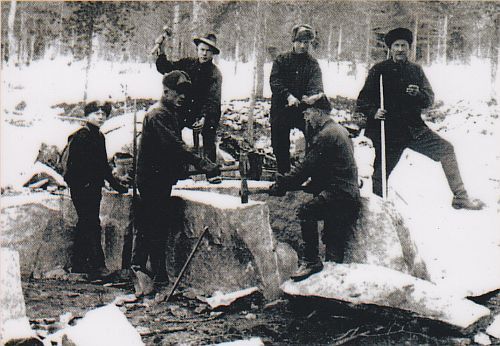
<point>198,125</point>
<point>209,168</point>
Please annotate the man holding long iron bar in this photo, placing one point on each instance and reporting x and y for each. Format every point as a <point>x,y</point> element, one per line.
<point>406,91</point>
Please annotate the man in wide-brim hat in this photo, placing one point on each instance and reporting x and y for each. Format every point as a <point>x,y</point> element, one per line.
<point>203,103</point>
<point>406,91</point>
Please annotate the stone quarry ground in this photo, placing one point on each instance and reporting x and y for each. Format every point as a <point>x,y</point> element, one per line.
<point>187,320</point>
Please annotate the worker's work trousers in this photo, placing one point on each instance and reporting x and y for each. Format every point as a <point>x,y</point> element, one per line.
<point>209,149</point>
<point>152,230</point>
<point>428,143</point>
<point>280,137</point>
<point>339,213</point>
<point>88,255</point>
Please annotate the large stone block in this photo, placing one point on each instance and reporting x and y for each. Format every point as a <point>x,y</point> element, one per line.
<point>41,227</point>
<point>239,251</point>
<point>13,321</point>
<point>374,285</point>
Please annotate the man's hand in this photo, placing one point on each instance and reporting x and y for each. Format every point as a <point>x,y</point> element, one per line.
<point>310,100</point>
<point>198,125</point>
<point>209,168</point>
<point>293,101</point>
<point>276,190</point>
<point>413,90</point>
<point>120,188</point>
<point>380,115</point>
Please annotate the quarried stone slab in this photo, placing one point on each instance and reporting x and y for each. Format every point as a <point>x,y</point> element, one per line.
<point>370,284</point>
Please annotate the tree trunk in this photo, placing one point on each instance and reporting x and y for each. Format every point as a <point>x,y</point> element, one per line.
<point>415,41</point>
<point>90,42</point>
<point>176,33</point>
<point>368,39</point>
<point>260,56</point>
<point>445,39</point>
<point>10,32</point>
<point>428,51</point>
<point>329,46</point>
<point>196,15</point>
<point>339,46</point>
<point>495,60</point>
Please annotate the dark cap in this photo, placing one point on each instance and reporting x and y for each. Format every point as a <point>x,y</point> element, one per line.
<point>177,80</point>
<point>398,34</point>
<point>303,32</point>
<point>208,39</point>
<point>94,106</point>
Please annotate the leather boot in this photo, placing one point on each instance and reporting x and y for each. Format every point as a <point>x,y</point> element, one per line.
<point>307,269</point>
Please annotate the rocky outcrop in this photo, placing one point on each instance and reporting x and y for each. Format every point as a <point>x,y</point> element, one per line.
<point>374,285</point>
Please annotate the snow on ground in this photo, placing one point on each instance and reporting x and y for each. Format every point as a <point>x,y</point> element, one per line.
<point>467,241</point>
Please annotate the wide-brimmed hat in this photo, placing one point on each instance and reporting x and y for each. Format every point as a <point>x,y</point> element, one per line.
<point>303,32</point>
<point>208,39</point>
<point>177,80</point>
<point>398,34</point>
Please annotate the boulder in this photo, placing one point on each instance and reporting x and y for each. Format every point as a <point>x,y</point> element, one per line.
<point>494,328</point>
<point>381,238</point>
<point>13,321</point>
<point>374,285</point>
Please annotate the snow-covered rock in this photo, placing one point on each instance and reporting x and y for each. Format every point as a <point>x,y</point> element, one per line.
<point>106,325</point>
<point>369,284</point>
<point>494,328</point>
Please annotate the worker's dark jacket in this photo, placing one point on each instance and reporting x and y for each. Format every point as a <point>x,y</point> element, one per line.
<point>87,162</point>
<point>403,118</point>
<point>329,162</point>
<point>295,74</point>
<point>204,99</point>
<point>162,155</point>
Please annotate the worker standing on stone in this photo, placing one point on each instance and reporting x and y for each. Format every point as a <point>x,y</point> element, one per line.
<point>85,166</point>
<point>296,83</point>
<point>202,108</point>
<point>162,160</point>
<point>329,163</point>
<point>406,91</point>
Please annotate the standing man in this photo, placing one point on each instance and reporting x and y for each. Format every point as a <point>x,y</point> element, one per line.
<point>203,104</point>
<point>296,83</point>
<point>406,91</point>
<point>86,168</point>
<point>161,161</point>
<point>330,164</point>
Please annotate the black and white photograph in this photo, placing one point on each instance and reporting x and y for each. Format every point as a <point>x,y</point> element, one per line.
<point>252,172</point>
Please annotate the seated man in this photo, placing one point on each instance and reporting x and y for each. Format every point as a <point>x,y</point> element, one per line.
<point>329,162</point>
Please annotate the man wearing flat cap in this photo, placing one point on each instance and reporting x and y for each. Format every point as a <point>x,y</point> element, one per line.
<point>296,83</point>
<point>85,169</point>
<point>161,161</point>
<point>203,104</point>
<point>406,91</point>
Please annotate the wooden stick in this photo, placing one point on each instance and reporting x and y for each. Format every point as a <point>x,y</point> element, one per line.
<point>382,140</point>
